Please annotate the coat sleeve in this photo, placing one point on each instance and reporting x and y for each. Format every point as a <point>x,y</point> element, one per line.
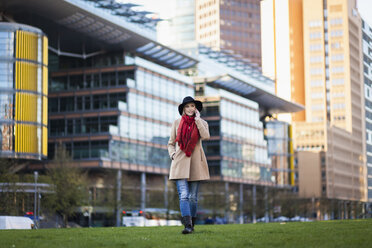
<point>203,129</point>
<point>172,140</point>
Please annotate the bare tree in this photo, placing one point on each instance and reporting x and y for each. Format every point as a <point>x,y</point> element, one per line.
<point>70,185</point>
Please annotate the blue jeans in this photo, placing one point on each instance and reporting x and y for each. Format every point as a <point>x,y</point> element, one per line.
<point>188,196</point>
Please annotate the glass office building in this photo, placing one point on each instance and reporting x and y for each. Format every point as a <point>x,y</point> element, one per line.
<point>237,149</point>
<point>237,99</point>
<point>113,95</point>
<point>120,111</point>
<point>23,92</point>
<point>367,75</point>
<point>279,140</point>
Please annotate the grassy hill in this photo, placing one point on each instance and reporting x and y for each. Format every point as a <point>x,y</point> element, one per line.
<point>349,233</point>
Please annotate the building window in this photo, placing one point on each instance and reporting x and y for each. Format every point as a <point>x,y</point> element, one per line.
<point>315,35</point>
<point>314,24</point>
<point>339,106</point>
<point>339,118</point>
<point>335,21</point>
<point>338,94</point>
<point>101,101</point>
<point>317,95</point>
<point>338,69</point>
<point>317,119</point>
<point>316,71</point>
<point>315,47</point>
<point>338,81</point>
<point>337,33</point>
<point>335,45</point>
<point>337,57</point>
<point>323,175</point>
<point>316,59</point>
<point>317,107</point>
<point>316,83</point>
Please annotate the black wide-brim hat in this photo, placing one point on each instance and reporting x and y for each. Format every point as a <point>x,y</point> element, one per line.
<point>188,99</point>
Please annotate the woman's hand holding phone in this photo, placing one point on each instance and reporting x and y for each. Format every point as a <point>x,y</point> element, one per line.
<point>197,114</point>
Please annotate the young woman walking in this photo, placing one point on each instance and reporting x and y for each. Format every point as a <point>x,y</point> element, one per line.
<point>189,164</point>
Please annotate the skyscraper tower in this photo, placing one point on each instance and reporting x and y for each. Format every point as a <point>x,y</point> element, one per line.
<point>230,25</point>
<point>333,88</point>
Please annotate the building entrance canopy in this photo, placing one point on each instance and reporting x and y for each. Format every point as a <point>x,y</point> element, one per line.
<point>228,71</point>
<point>269,103</point>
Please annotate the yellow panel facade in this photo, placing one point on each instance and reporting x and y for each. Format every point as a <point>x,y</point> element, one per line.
<point>45,110</point>
<point>26,140</point>
<point>27,45</point>
<point>28,132</point>
<point>30,136</point>
<point>28,76</point>
<point>45,80</point>
<point>26,107</point>
<point>45,51</point>
<point>45,142</point>
<point>291,152</point>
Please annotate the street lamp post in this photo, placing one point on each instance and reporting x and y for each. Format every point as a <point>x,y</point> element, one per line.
<point>35,196</point>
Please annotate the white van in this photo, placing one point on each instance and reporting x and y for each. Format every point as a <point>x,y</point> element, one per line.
<point>16,222</point>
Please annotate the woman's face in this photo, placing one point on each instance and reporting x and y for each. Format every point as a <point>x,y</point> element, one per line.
<point>189,109</point>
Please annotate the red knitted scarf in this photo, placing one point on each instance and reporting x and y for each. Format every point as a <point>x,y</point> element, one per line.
<point>187,134</point>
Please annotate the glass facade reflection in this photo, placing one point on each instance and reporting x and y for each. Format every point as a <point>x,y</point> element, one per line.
<point>367,75</point>
<point>122,115</point>
<point>278,135</point>
<point>23,91</point>
<point>238,148</point>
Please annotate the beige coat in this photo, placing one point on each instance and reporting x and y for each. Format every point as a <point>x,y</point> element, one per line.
<point>194,168</point>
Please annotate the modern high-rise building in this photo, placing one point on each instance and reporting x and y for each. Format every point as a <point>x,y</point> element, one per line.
<point>367,76</point>
<point>23,92</point>
<point>282,51</point>
<point>114,92</point>
<point>237,100</point>
<point>178,28</point>
<point>230,25</point>
<point>332,85</point>
<point>237,150</point>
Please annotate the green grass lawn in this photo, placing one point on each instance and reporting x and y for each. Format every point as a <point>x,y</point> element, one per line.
<point>350,233</point>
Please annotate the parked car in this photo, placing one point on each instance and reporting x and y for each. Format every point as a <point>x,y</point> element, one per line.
<point>281,219</point>
<point>263,219</point>
<point>299,218</point>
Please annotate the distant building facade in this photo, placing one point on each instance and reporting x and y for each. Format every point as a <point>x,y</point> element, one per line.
<point>231,26</point>
<point>367,76</point>
<point>332,85</point>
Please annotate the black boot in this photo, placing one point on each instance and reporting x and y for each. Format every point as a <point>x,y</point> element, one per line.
<point>186,221</point>
<point>193,222</point>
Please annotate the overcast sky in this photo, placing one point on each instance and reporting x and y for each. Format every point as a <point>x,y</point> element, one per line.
<point>159,6</point>
<point>365,10</point>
